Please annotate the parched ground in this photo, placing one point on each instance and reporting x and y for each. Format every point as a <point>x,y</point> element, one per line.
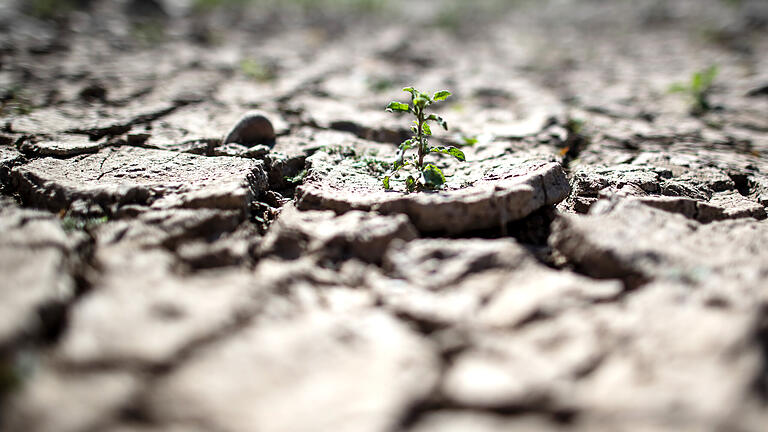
<point>599,263</point>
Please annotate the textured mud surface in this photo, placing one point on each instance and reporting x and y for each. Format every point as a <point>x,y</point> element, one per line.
<point>194,236</point>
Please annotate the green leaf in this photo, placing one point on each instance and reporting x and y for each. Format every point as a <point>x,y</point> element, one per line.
<point>701,81</point>
<point>385,182</point>
<point>708,76</point>
<point>410,90</point>
<point>468,141</point>
<point>298,178</point>
<point>433,176</point>
<point>453,151</point>
<point>420,101</point>
<point>696,82</point>
<point>398,164</point>
<point>405,145</point>
<point>441,95</point>
<point>439,120</point>
<point>410,184</point>
<point>678,88</point>
<point>427,130</point>
<point>398,106</point>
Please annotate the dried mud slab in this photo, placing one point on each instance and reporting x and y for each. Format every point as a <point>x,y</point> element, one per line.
<point>655,359</point>
<point>37,267</point>
<point>118,176</point>
<point>263,377</point>
<point>489,284</point>
<point>354,234</point>
<point>65,401</point>
<point>480,194</point>
<point>703,186</point>
<point>94,122</point>
<point>143,313</point>
<point>61,146</point>
<point>631,240</point>
<point>9,157</point>
<point>722,206</point>
<point>639,358</point>
<point>526,338</point>
<point>200,238</point>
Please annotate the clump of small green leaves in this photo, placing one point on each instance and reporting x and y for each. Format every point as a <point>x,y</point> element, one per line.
<point>257,71</point>
<point>429,175</point>
<point>698,89</point>
<point>373,165</point>
<point>71,223</point>
<point>297,179</point>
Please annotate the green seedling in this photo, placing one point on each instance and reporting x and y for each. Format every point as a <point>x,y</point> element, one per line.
<point>73,223</point>
<point>256,70</point>
<point>429,175</point>
<point>698,89</point>
<point>297,179</point>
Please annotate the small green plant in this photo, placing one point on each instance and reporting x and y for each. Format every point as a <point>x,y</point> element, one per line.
<point>698,89</point>
<point>429,175</point>
<point>256,70</point>
<point>71,223</point>
<point>297,179</point>
<point>373,165</point>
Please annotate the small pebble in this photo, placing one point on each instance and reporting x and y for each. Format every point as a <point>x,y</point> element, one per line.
<point>252,129</point>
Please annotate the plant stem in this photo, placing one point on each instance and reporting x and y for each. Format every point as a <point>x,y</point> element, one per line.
<point>420,138</point>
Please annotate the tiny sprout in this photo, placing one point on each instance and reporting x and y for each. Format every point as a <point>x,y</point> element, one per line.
<point>698,89</point>
<point>430,176</point>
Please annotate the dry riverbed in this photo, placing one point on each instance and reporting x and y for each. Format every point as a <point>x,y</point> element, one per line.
<point>598,263</point>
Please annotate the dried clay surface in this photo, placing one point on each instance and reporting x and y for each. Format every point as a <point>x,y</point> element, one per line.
<point>194,233</point>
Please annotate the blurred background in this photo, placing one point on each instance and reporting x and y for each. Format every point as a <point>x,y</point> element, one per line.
<point>633,47</point>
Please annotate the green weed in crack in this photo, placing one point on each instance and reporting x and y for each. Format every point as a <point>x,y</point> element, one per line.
<point>71,223</point>
<point>429,175</point>
<point>697,89</point>
<point>257,70</point>
<point>297,179</point>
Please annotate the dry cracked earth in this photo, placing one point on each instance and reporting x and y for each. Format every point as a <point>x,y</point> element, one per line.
<point>599,263</point>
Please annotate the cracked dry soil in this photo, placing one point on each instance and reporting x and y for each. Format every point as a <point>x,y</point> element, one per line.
<point>598,264</point>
